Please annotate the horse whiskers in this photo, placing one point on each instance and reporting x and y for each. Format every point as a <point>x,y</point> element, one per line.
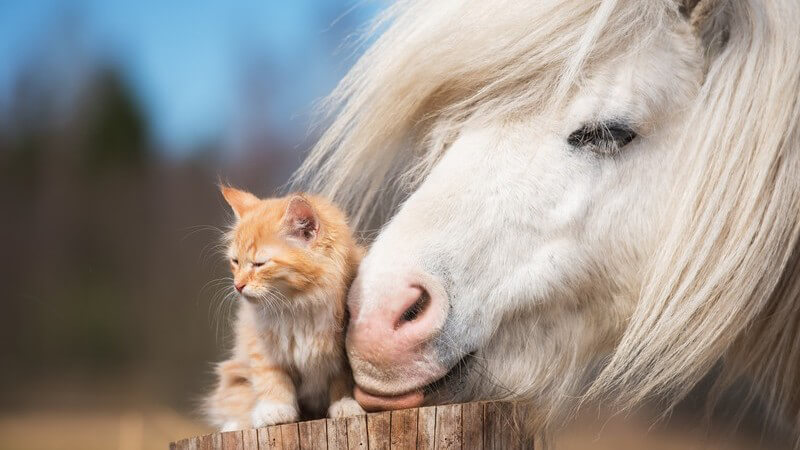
<point>474,371</point>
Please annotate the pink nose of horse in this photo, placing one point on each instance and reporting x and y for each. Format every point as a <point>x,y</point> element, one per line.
<point>392,331</point>
<point>386,341</point>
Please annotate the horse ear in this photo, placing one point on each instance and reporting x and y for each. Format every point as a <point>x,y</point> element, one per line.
<point>709,20</point>
<point>687,6</point>
<point>239,201</point>
<point>698,11</point>
<point>300,220</point>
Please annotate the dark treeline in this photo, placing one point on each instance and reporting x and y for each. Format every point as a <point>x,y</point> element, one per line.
<point>109,244</point>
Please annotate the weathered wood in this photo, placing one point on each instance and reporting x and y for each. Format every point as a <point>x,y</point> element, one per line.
<point>378,428</point>
<point>250,439</point>
<point>448,427</point>
<point>290,437</point>
<point>357,432</point>
<point>269,438</point>
<point>468,426</point>
<point>337,434</point>
<point>204,442</point>
<point>502,428</point>
<point>426,428</point>
<point>498,422</point>
<point>313,435</point>
<point>472,426</point>
<point>232,440</point>
<point>404,429</point>
<point>191,443</point>
<point>210,442</point>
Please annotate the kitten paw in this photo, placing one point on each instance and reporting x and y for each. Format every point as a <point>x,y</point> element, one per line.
<point>345,407</point>
<point>231,426</point>
<point>270,413</point>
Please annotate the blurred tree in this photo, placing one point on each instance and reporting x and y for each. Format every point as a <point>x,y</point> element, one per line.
<point>96,278</point>
<point>116,132</point>
<point>108,274</point>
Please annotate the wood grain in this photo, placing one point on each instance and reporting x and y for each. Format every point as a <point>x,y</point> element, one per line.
<point>207,442</point>
<point>269,438</point>
<point>472,426</point>
<point>357,432</point>
<point>290,437</point>
<point>313,435</point>
<point>502,429</point>
<point>337,434</point>
<point>232,440</point>
<point>378,428</point>
<point>426,428</point>
<point>191,443</point>
<point>250,439</point>
<point>403,435</point>
<point>448,427</point>
<point>468,426</point>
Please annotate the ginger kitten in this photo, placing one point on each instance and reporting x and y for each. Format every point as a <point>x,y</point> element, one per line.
<point>293,259</point>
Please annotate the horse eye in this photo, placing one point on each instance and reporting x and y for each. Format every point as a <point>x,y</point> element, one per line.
<point>603,137</point>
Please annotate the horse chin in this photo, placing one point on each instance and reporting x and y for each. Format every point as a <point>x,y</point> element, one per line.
<point>395,381</point>
<point>372,402</point>
<point>429,390</point>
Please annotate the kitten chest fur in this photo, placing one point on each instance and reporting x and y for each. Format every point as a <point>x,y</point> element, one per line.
<point>305,341</point>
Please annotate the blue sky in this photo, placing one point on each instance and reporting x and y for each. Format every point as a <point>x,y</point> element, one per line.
<point>187,59</point>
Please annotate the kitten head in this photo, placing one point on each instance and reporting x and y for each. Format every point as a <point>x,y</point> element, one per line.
<point>282,247</point>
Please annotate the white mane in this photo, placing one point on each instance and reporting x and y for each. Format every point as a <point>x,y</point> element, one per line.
<point>436,68</point>
<point>725,285</point>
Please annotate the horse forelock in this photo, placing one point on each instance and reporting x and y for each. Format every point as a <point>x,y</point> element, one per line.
<point>438,68</point>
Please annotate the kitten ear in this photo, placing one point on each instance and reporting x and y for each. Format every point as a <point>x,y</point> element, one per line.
<point>239,201</point>
<point>300,220</point>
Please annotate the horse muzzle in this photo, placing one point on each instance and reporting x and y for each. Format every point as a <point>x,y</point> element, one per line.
<point>394,321</point>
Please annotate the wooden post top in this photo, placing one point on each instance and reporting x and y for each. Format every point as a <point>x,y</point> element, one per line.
<point>479,425</point>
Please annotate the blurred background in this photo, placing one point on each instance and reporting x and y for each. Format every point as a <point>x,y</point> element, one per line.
<point>117,119</point>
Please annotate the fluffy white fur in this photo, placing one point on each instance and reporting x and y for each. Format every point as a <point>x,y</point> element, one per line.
<point>267,413</point>
<point>655,264</point>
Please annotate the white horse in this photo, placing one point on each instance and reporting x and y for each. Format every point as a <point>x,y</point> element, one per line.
<point>578,198</point>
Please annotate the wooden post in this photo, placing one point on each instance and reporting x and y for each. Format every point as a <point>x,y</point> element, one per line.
<point>468,426</point>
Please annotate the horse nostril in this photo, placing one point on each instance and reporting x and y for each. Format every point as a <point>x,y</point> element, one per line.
<point>417,308</point>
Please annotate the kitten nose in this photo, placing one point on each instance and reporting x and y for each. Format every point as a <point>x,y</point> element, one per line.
<point>239,286</point>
